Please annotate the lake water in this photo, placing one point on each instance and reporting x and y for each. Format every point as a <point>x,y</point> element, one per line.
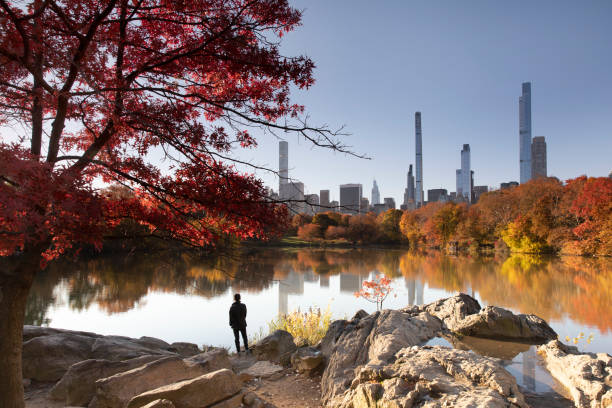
<point>178,297</point>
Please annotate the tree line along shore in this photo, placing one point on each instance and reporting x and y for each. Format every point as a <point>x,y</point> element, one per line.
<point>541,216</point>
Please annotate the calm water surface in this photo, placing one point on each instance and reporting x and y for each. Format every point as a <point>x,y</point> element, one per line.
<point>177,297</point>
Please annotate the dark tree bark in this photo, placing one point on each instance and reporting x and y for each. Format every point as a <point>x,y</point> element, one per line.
<point>16,278</point>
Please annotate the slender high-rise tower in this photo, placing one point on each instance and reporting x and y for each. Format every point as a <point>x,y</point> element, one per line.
<point>466,179</point>
<point>525,132</point>
<point>419,160</point>
<point>375,194</point>
<point>283,163</point>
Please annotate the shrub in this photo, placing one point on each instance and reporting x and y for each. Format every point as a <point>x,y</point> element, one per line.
<point>307,328</point>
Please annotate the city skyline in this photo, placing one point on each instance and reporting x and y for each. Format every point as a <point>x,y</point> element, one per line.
<point>474,104</point>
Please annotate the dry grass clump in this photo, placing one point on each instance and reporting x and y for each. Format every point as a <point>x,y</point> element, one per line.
<point>307,328</point>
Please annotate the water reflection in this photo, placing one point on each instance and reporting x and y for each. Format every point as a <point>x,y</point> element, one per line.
<point>574,292</point>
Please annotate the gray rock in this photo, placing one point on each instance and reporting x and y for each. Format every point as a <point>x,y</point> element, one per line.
<point>29,332</point>
<point>374,339</point>
<point>117,390</point>
<point>432,377</point>
<point>184,349</point>
<point>262,369</point>
<point>47,358</point>
<point>152,342</point>
<point>501,324</point>
<point>359,315</point>
<point>307,359</point>
<point>119,348</point>
<point>198,392</point>
<point>77,386</point>
<point>453,310</point>
<point>587,376</point>
<point>276,347</point>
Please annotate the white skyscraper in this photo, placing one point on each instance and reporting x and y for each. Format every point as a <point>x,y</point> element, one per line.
<point>419,160</point>
<point>375,194</point>
<point>525,132</point>
<point>466,178</point>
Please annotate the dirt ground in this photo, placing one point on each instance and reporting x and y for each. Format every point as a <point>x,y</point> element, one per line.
<point>289,390</point>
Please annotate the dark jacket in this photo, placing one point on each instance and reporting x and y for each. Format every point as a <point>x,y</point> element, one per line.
<point>237,315</point>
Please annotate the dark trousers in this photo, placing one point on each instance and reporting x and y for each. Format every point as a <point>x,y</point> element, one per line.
<point>237,338</point>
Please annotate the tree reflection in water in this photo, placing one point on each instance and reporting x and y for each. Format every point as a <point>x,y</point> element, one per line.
<point>551,287</point>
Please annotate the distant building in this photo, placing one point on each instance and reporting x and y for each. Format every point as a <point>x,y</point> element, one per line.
<point>525,133</point>
<point>334,205</point>
<point>538,157</point>
<point>390,203</point>
<point>365,205</point>
<point>509,184</point>
<point>312,204</point>
<point>350,198</point>
<point>379,208</point>
<point>375,194</point>
<point>437,194</point>
<point>478,191</point>
<point>283,163</point>
<point>293,195</point>
<point>418,160</point>
<point>324,199</point>
<point>464,175</point>
<point>409,190</point>
<point>610,175</point>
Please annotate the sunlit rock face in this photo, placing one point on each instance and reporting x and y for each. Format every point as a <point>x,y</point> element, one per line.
<point>378,359</point>
<point>587,376</point>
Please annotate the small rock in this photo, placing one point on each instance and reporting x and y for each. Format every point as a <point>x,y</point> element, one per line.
<point>306,359</point>
<point>248,398</point>
<point>276,347</point>
<point>262,369</point>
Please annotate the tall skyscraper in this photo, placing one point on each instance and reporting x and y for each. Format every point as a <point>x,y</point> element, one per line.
<point>409,191</point>
<point>525,132</point>
<point>419,160</point>
<point>466,177</point>
<point>350,198</point>
<point>538,157</point>
<point>375,194</point>
<point>283,163</point>
<point>324,200</point>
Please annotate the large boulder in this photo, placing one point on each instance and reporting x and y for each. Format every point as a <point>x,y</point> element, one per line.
<point>48,357</point>
<point>307,360</point>
<point>198,392</point>
<point>453,310</point>
<point>432,377</point>
<point>496,323</point>
<point>276,347</point>
<point>587,376</point>
<point>29,332</point>
<point>118,348</point>
<point>373,339</point>
<point>77,386</point>
<point>115,391</point>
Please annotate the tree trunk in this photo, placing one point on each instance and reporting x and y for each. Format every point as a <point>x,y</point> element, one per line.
<point>15,283</point>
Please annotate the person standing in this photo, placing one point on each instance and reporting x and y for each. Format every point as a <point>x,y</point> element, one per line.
<point>237,321</point>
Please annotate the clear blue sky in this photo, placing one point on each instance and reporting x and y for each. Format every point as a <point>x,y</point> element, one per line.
<point>461,64</point>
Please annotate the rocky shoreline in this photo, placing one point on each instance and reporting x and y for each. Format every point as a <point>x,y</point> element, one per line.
<point>372,360</point>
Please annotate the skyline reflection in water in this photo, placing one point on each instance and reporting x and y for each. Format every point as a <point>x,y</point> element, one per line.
<point>178,297</point>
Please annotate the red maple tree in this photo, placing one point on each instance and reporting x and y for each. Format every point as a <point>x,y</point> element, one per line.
<point>376,290</point>
<point>107,89</point>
